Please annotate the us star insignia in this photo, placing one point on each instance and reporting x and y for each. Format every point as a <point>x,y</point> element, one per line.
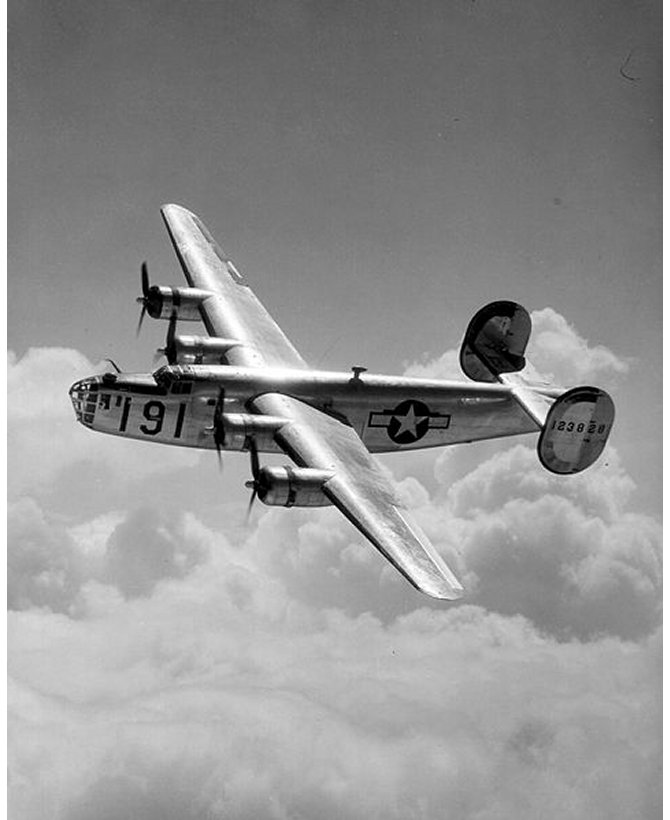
<point>409,421</point>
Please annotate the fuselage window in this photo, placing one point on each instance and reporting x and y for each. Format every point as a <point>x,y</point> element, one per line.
<point>181,387</point>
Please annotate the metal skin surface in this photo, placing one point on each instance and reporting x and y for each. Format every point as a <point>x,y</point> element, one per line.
<point>233,311</point>
<point>460,412</point>
<point>361,491</point>
<point>263,398</point>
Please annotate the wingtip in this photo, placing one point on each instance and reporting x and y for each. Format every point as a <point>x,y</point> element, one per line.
<point>452,592</point>
<point>173,206</point>
<point>439,581</point>
<point>443,587</point>
<point>174,214</point>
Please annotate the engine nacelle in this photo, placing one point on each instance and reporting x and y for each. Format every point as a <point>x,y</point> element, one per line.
<point>202,349</point>
<point>240,427</point>
<point>162,302</point>
<point>292,486</point>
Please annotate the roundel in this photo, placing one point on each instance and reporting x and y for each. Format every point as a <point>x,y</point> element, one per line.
<point>410,422</point>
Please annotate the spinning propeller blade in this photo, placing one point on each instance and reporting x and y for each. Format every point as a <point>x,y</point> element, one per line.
<point>255,472</point>
<point>170,349</point>
<point>251,500</point>
<point>145,279</point>
<point>219,425</point>
<point>139,324</point>
<point>144,298</point>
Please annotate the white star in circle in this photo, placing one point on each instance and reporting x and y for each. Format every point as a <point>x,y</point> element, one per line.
<point>408,422</point>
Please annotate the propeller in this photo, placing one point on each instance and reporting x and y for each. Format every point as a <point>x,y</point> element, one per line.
<point>253,485</point>
<point>170,349</point>
<point>219,425</point>
<point>144,298</point>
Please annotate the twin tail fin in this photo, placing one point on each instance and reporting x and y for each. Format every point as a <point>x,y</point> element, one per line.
<point>574,425</point>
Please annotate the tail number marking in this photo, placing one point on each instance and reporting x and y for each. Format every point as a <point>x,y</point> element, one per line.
<point>571,426</point>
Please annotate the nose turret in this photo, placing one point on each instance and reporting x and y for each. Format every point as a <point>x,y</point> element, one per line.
<point>84,397</point>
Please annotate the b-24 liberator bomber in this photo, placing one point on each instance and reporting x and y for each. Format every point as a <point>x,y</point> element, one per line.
<point>245,387</point>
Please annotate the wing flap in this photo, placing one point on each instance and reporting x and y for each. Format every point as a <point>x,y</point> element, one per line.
<point>361,491</point>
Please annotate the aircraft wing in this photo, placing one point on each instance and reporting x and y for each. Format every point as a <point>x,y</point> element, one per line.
<point>360,490</point>
<point>310,437</point>
<point>233,311</point>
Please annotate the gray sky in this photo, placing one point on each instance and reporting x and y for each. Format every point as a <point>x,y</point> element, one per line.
<point>378,171</point>
<point>387,167</point>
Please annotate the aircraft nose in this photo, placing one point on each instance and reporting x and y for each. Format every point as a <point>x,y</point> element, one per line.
<point>84,398</point>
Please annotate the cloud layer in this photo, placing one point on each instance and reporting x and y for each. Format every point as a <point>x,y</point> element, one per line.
<point>221,697</point>
<point>161,668</point>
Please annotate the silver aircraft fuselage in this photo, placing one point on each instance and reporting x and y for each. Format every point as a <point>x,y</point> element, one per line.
<point>175,405</point>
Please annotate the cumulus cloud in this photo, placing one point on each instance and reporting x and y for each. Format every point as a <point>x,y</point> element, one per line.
<point>49,562</point>
<point>555,349</point>
<point>199,704</point>
<point>162,668</point>
<point>565,554</point>
<point>44,568</point>
<point>145,549</point>
<point>446,366</point>
<point>45,442</point>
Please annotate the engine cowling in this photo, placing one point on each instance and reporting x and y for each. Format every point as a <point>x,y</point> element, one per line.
<point>292,486</point>
<point>240,427</point>
<point>202,349</point>
<point>162,302</point>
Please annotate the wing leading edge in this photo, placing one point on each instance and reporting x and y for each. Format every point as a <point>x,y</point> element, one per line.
<point>360,491</point>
